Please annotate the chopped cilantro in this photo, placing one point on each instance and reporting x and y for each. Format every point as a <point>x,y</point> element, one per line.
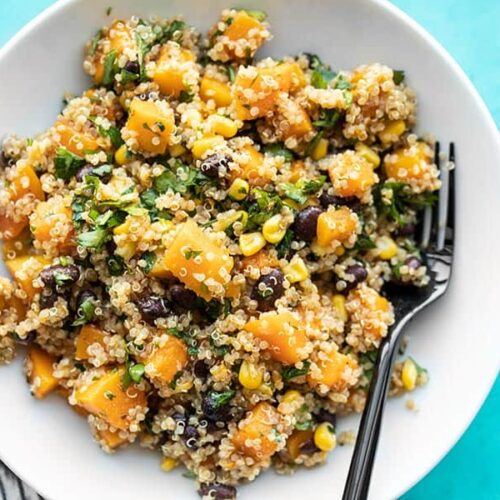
<point>93,239</point>
<point>85,312</point>
<point>221,398</point>
<point>150,259</point>
<point>398,76</point>
<point>364,242</point>
<point>322,74</point>
<point>291,372</point>
<point>176,378</point>
<point>192,254</point>
<point>115,265</point>
<point>284,246</point>
<point>327,119</point>
<point>304,426</point>
<point>260,15</point>
<point>67,164</point>
<point>109,395</point>
<point>301,190</point>
<point>280,150</point>
<point>109,67</point>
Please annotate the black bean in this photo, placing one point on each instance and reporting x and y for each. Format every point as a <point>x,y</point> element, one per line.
<point>325,416</point>
<point>329,199</point>
<point>358,272</point>
<point>406,230</point>
<point>47,300</point>
<point>213,410</point>
<point>268,289</point>
<point>306,222</point>
<point>59,276</point>
<point>190,436</point>
<point>413,262</point>
<point>217,491</point>
<point>308,447</point>
<point>84,171</point>
<point>26,340</point>
<point>85,295</point>
<point>132,67</point>
<point>182,298</point>
<point>153,307</point>
<point>201,369</point>
<point>215,166</point>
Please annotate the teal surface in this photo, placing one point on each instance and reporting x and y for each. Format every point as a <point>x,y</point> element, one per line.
<point>469,30</point>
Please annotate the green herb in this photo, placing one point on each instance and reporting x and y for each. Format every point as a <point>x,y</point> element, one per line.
<point>67,164</point>
<point>148,198</point>
<point>301,190</point>
<point>260,15</point>
<point>176,378</point>
<point>78,208</point>
<point>85,312</point>
<point>61,278</point>
<point>94,43</point>
<point>172,31</point>
<point>280,150</point>
<point>127,76</point>
<point>115,137</point>
<point>398,76</point>
<point>102,171</point>
<point>312,145</point>
<point>184,179</point>
<point>29,141</point>
<point>93,239</point>
<point>142,50</point>
<point>364,242</point>
<point>109,395</point>
<point>304,426</point>
<point>342,83</point>
<point>192,254</point>
<point>291,372</point>
<point>116,265</point>
<point>284,246</point>
<point>186,96</point>
<point>368,357</point>
<point>109,10</point>
<point>261,206</point>
<point>322,74</point>
<point>109,68</point>
<point>419,368</point>
<point>230,73</point>
<point>221,398</point>
<point>189,475</point>
<point>136,372</point>
<point>150,258</point>
<point>327,119</point>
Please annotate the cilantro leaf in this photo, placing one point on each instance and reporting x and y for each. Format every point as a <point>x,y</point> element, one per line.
<point>67,164</point>
<point>322,73</point>
<point>109,67</point>
<point>93,239</point>
<point>85,312</point>
<point>291,372</point>
<point>279,149</point>
<point>398,76</point>
<point>150,258</point>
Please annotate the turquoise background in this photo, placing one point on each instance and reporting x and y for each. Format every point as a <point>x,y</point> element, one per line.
<point>469,30</point>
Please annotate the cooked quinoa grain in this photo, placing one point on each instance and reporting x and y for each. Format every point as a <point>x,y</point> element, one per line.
<point>198,245</point>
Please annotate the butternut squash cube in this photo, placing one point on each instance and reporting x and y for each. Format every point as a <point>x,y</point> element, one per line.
<point>295,442</point>
<point>153,125</point>
<point>336,226</point>
<point>106,398</point>
<point>167,360</point>
<point>298,121</point>
<point>256,434</point>
<point>40,372</point>
<point>24,270</point>
<point>333,367</point>
<point>241,26</point>
<point>10,228</point>
<point>251,168</point>
<point>78,143</point>
<point>200,264</point>
<point>218,91</point>
<point>283,334</point>
<point>89,335</point>
<point>111,439</point>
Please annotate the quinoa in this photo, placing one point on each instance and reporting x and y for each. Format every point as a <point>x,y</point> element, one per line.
<point>199,243</point>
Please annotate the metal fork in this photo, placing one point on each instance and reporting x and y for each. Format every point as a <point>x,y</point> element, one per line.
<point>437,249</point>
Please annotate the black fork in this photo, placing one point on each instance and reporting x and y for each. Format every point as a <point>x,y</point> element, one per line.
<point>438,230</point>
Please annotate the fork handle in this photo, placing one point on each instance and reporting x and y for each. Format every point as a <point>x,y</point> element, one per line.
<point>360,471</point>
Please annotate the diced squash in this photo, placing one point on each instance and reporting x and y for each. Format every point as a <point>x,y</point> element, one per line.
<point>283,334</point>
<point>256,92</point>
<point>52,221</point>
<point>13,303</point>
<point>171,68</point>
<point>167,360</point>
<point>24,270</point>
<point>200,264</point>
<point>153,124</point>
<point>10,229</point>
<point>251,167</point>
<point>255,437</point>
<point>89,335</point>
<point>332,370</point>
<point>295,442</point>
<point>17,247</point>
<point>351,174</point>
<point>159,269</point>
<point>298,78</point>
<point>241,26</point>
<point>111,439</point>
<point>218,91</point>
<point>40,372</point>
<point>261,259</point>
<point>409,163</point>
<point>336,225</point>
<point>298,121</point>
<point>205,145</point>
<point>297,170</point>
<point>106,398</point>
<point>77,142</point>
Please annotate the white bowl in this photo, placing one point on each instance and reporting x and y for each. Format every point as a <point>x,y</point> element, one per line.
<point>49,445</point>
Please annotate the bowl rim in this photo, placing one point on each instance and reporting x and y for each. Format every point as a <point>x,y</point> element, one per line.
<point>454,66</point>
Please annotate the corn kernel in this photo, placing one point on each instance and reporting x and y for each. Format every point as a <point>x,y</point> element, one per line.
<point>296,270</point>
<point>201,146</point>
<point>386,248</point>
<point>339,251</point>
<point>273,229</point>
<point>121,155</point>
<point>291,396</point>
<point>176,150</point>
<point>250,376</point>
<point>183,386</point>
<point>392,131</point>
<point>368,154</point>
<point>229,218</point>
<point>324,437</point>
<point>168,464</point>
<point>320,150</point>
<point>338,301</point>
<point>409,374</point>
<point>292,204</point>
<point>251,243</point>
<point>221,125</point>
<point>239,189</point>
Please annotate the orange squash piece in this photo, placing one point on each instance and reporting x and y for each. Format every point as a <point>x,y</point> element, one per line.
<point>89,335</point>
<point>258,425</point>
<point>24,270</point>
<point>250,170</point>
<point>336,225</point>
<point>218,91</point>
<point>111,439</point>
<point>259,260</point>
<point>295,442</point>
<point>40,371</point>
<point>77,142</point>
<point>408,163</point>
<point>283,334</point>
<point>106,398</point>
<point>167,360</point>
<point>200,264</point>
<point>241,26</point>
<point>332,370</point>
<point>10,229</point>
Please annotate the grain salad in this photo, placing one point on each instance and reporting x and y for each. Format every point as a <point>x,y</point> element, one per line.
<point>198,245</point>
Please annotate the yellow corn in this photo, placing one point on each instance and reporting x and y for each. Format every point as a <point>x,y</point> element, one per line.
<point>227,219</point>
<point>386,248</point>
<point>392,131</point>
<point>409,374</point>
<point>273,229</point>
<point>220,373</point>
<point>320,150</point>
<point>221,125</point>
<point>339,305</point>
<point>121,155</point>
<point>324,437</point>
<point>176,150</point>
<point>239,189</point>
<point>168,464</point>
<point>339,251</point>
<point>251,243</point>
<point>296,270</point>
<point>368,154</point>
<point>183,386</point>
<point>292,204</point>
<point>201,146</point>
<point>291,396</point>
<point>250,376</point>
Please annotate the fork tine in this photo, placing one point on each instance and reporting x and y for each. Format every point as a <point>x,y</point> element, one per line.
<point>451,188</point>
<point>427,221</point>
